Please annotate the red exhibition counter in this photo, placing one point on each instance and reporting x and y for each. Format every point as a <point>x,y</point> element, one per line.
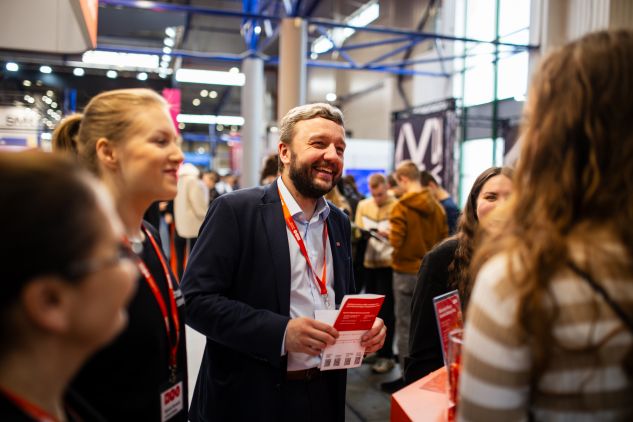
<point>424,400</point>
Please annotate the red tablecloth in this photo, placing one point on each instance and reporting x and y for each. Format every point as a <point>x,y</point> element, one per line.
<point>424,400</point>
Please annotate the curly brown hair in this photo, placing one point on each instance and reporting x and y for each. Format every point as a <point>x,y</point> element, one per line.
<point>459,276</point>
<point>573,179</point>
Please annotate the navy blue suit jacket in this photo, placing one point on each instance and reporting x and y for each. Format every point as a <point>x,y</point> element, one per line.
<point>237,287</point>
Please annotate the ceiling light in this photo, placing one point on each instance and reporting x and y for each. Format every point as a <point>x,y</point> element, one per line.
<point>181,126</point>
<point>26,82</point>
<point>46,99</point>
<point>211,77</point>
<point>234,70</point>
<point>54,104</point>
<point>165,58</point>
<point>169,42</point>
<point>196,102</point>
<point>274,129</point>
<point>330,97</point>
<point>204,93</point>
<point>209,119</point>
<point>114,59</point>
<point>166,50</point>
<point>112,74</point>
<point>170,31</point>
<point>50,93</point>
<point>314,56</point>
<point>219,127</point>
<point>45,69</point>
<point>78,71</point>
<point>213,94</point>
<point>142,76</point>
<point>258,30</point>
<point>12,67</point>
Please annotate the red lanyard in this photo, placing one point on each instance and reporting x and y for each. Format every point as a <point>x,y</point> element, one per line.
<point>33,411</point>
<point>290,222</point>
<point>151,282</point>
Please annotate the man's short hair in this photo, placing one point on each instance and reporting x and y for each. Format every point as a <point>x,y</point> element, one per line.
<point>376,179</point>
<point>427,178</point>
<point>307,112</point>
<point>408,169</point>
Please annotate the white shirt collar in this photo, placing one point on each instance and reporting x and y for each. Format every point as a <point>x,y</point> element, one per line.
<point>322,207</point>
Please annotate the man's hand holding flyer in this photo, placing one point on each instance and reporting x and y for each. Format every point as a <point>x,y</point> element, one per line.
<point>355,317</point>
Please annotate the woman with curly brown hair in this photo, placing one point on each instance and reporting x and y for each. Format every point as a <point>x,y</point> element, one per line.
<point>445,268</point>
<point>549,333</point>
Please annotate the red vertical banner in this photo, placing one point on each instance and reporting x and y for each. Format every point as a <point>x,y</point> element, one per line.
<point>235,152</point>
<point>172,95</point>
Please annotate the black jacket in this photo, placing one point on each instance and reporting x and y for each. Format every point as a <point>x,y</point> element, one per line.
<point>425,349</point>
<point>237,286</point>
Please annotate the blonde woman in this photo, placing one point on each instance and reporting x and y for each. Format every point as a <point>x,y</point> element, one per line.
<point>128,139</point>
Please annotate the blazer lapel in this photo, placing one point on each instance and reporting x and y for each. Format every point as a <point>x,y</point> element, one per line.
<point>339,257</point>
<point>275,229</point>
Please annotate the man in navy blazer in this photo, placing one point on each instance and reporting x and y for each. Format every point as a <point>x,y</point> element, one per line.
<point>265,260</point>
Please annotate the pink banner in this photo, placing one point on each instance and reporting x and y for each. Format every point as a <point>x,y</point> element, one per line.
<point>172,95</point>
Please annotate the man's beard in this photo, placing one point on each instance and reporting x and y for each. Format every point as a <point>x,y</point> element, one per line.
<point>300,176</point>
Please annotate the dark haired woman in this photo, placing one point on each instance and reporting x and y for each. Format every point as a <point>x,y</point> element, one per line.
<point>127,137</point>
<point>445,268</point>
<point>549,334</point>
<point>59,301</point>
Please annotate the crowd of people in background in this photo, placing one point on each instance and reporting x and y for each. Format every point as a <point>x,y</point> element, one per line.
<point>94,309</point>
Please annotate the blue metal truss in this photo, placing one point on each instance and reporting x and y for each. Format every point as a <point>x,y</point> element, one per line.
<point>257,13</point>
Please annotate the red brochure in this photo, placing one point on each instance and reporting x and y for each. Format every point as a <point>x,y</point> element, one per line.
<point>358,312</point>
<point>448,313</point>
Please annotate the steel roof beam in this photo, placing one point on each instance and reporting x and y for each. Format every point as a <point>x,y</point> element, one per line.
<point>170,7</point>
<point>412,34</point>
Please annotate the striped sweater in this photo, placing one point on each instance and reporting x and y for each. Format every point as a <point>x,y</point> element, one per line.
<point>581,384</point>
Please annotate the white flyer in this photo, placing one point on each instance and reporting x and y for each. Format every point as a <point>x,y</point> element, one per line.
<point>347,351</point>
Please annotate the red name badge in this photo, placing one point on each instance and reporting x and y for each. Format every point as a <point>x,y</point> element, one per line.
<point>171,401</point>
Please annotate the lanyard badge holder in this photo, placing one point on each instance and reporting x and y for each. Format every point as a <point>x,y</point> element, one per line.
<point>172,395</point>
<point>321,283</point>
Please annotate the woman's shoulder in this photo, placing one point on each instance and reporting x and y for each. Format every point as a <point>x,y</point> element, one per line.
<point>444,250</point>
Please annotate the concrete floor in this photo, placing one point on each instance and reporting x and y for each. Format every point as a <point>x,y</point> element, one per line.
<point>365,401</point>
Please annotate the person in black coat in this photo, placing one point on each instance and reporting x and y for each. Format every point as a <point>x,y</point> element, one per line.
<point>251,292</point>
<point>445,268</point>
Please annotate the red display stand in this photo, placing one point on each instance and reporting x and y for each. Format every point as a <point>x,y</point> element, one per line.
<point>424,400</point>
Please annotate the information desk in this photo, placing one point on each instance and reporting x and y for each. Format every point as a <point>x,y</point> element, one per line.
<point>424,400</point>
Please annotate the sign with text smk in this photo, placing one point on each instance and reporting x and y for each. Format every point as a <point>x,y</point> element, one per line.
<point>448,314</point>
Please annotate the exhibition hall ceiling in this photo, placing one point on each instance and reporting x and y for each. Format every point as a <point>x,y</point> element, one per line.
<point>193,34</point>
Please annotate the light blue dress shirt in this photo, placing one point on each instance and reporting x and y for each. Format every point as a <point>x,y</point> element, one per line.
<point>305,295</point>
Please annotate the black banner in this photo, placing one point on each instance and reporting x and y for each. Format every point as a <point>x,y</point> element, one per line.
<point>429,140</point>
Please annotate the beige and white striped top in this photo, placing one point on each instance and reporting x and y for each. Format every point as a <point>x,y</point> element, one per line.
<point>582,383</point>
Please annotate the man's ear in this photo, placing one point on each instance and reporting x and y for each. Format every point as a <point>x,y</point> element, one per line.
<point>47,302</point>
<point>284,153</point>
<point>106,153</point>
